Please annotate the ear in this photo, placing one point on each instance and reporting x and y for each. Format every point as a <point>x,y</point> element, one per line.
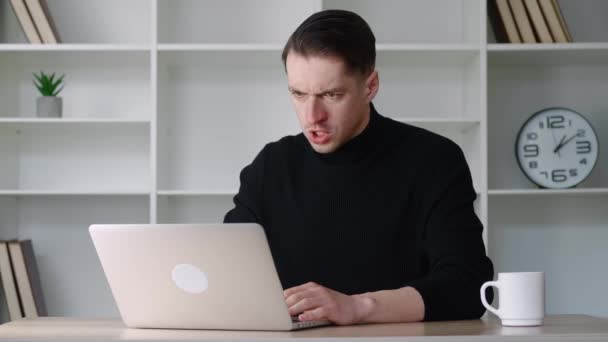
<point>372,84</point>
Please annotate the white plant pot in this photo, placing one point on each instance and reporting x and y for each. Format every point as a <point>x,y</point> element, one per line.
<point>49,107</point>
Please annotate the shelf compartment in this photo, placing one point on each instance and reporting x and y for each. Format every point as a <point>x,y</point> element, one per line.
<point>205,21</point>
<point>72,279</point>
<point>586,21</point>
<point>564,236</point>
<point>98,84</point>
<point>81,21</point>
<point>68,159</point>
<point>191,208</point>
<point>207,99</point>
<point>414,21</point>
<point>515,92</point>
<point>408,79</point>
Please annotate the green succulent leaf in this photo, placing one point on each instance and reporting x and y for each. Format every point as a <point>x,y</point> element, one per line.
<point>47,85</point>
<point>58,91</point>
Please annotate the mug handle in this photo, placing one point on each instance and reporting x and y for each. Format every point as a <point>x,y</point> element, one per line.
<point>484,300</point>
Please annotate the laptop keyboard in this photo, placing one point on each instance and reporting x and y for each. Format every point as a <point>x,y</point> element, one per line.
<point>307,324</point>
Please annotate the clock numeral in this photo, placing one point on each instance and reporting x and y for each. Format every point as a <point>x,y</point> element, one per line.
<point>580,133</point>
<point>583,161</point>
<point>555,121</point>
<point>532,136</point>
<point>541,125</point>
<point>545,173</point>
<point>533,164</point>
<point>531,150</point>
<point>559,175</point>
<point>583,147</point>
<point>573,172</point>
<point>570,123</point>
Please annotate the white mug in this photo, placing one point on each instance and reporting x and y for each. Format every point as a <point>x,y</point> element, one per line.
<point>521,297</point>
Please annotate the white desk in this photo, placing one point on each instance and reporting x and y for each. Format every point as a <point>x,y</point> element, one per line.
<point>556,328</point>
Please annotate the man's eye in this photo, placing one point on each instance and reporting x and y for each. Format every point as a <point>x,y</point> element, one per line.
<point>297,94</point>
<point>332,95</point>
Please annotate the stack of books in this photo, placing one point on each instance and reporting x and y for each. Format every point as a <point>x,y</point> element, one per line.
<point>528,21</point>
<point>20,280</point>
<point>36,21</point>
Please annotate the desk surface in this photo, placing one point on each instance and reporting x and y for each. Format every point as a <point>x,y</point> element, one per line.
<point>563,327</point>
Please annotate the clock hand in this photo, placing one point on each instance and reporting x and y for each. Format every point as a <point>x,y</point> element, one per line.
<point>555,142</point>
<point>562,144</point>
<point>559,145</point>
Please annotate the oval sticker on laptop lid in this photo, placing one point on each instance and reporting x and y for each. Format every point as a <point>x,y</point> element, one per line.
<point>189,278</point>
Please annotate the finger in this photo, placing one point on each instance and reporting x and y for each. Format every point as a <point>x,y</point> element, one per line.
<point>299,288</point>
<point>313,290</point>
<point>298,296</point>
<point>305,304</point>
<point>319,313</point>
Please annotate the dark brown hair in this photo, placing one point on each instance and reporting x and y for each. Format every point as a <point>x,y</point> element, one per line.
<point>336,33</point>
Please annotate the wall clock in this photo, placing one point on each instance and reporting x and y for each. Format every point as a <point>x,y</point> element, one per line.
<point>556,148</point>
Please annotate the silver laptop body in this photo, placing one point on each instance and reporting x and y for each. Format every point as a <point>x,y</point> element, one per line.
<point>193,276</point>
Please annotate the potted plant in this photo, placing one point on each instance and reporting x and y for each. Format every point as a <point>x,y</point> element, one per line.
<point>49,105</point>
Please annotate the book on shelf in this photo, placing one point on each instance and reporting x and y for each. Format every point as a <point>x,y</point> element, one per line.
<point>502,22</point>
<point>25,21</point>
<point>538,21</point>
<point>44,22</point>
<point>555,21</point>
<point>8,283</point>
<point>522,21</point>
<point>27,278</point>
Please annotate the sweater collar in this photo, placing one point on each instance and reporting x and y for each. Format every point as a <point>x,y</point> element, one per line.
<point>356,148</point>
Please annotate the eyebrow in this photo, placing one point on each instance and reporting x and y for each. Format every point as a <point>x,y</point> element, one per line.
<point>331,90</point>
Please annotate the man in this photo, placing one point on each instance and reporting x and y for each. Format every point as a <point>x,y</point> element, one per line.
<point>368,219</point>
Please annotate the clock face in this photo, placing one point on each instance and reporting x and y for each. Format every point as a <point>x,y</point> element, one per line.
<point>557,148</point>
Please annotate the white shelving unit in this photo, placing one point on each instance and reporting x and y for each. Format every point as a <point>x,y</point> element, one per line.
<point>167,100</point>
<point>561,232</point>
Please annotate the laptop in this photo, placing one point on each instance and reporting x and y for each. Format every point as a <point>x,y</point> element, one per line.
<point>193,276</point>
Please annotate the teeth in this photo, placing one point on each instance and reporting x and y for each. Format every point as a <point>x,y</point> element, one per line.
<point>318,134</point>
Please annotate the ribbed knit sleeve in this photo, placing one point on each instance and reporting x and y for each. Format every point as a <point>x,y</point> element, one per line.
<point>452,241</point>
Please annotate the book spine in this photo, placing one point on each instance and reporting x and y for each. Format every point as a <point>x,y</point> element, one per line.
<point>42,20</point>
<point>25,21</point>
<point>8,283</point>
<point>562,21</point>
<point>523,23</point>
<point>538,21</point>
<point>496,22</point>
<point>27,249</point>
<point>507,18</point>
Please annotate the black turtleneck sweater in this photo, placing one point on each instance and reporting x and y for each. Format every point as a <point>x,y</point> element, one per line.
<point>392,207</point>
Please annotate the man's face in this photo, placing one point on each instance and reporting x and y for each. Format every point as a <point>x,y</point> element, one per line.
<point>332,104</point>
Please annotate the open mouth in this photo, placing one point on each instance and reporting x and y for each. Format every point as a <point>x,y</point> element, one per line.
<point>320,137</point>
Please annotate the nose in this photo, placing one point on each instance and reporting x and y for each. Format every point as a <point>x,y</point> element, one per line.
<point>315,110</point>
